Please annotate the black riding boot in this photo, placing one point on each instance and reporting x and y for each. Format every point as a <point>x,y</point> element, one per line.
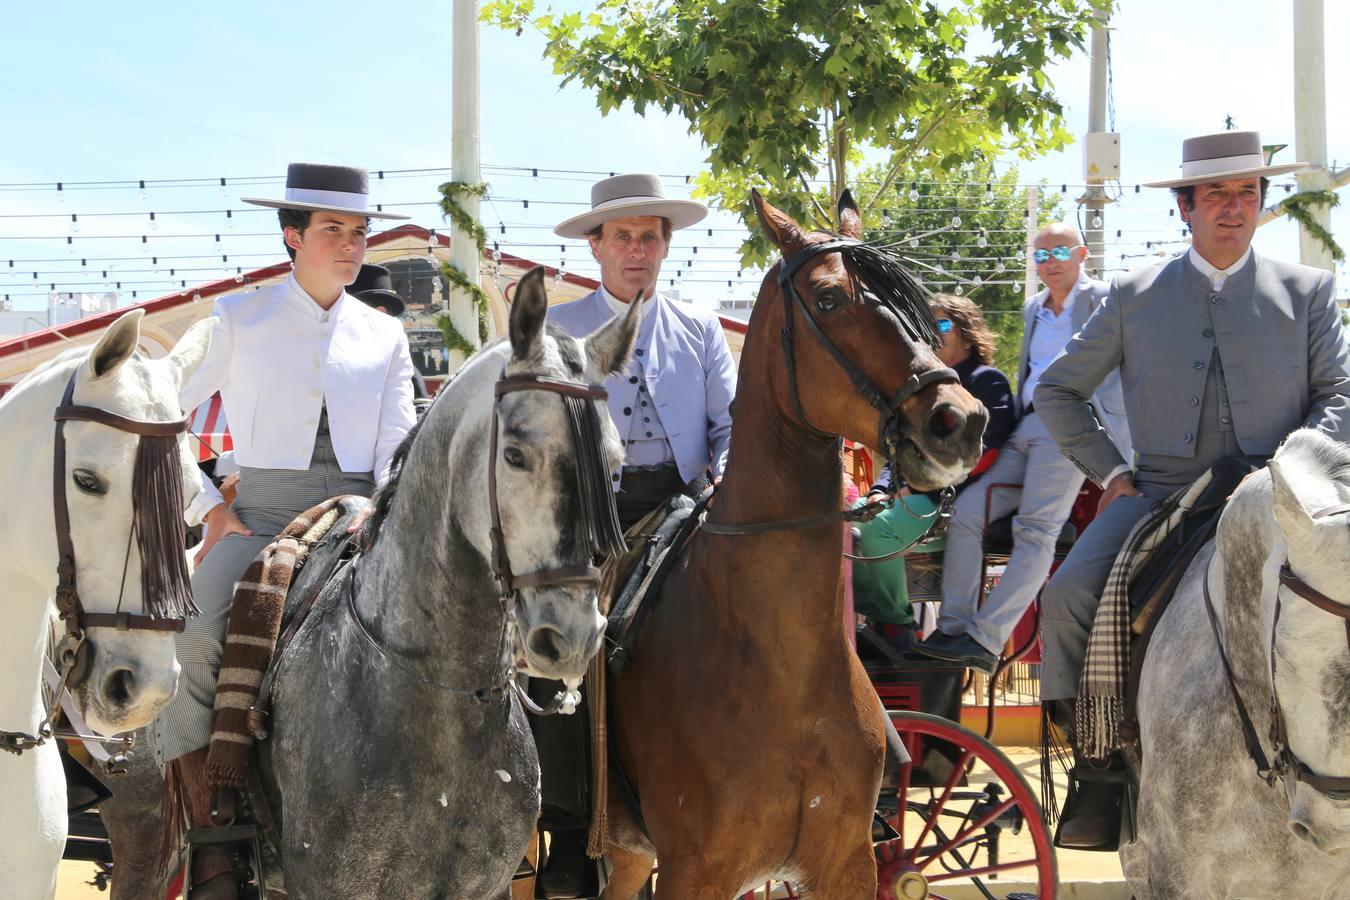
<point>1092,811</point>
<point>213,875</point>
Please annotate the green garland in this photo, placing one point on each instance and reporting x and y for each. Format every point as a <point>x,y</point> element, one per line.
<point>1296,207</point>
<point>465,226</point>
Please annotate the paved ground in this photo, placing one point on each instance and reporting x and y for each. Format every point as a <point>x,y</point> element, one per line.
<point>1083,876</point>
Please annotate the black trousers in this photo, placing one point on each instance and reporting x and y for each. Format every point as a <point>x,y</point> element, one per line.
<point>564,742</point>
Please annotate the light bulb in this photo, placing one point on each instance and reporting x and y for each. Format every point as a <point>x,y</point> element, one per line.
<point>1096,221</point>
<point>956,221</point>
<point>983,241</point>
<point>960,290</point>
<point>1000,267</point>
<point>914,242</point>
<point>956,256</point>
<point>977,281</point>
<point>1017,285</point>
<point>913,195</point>
<point>1021,254</point>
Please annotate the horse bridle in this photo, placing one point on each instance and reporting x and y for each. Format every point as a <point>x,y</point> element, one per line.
<point>889,439</point>
<point>72,651</point>
<point>509,582</point>
<point>1286,762</point>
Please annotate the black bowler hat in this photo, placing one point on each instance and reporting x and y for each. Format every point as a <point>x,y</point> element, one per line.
<point>322,188</point>
<point>375,287</point>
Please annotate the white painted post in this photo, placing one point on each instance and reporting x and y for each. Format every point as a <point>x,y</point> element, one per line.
<point>1030,285</point>
<point>465,163</point>
<point>1310,122</point>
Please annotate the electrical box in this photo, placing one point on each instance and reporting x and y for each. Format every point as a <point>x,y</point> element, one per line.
<point>1101,156</point>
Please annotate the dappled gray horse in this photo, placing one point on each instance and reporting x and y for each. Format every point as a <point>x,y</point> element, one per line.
<point>1209,825</point>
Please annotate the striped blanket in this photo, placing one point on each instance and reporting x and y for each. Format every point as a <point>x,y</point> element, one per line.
<point>1106,667</point>
<point>255,621</point>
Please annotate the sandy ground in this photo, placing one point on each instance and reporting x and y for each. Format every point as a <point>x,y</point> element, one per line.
<point>1089,876</point>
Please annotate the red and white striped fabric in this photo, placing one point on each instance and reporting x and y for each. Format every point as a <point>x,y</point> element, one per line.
<point>212,433</point>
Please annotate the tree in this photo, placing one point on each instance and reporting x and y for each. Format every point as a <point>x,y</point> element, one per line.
<point>782,92</point>
<point>965,234</point>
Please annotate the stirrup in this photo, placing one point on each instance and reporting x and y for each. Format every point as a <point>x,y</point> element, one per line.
<point>243,843</point>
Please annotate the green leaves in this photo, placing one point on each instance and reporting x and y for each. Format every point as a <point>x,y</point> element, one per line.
<point>782,90</point>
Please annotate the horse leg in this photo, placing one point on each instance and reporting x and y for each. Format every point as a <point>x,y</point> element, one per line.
<point>630,872</point>
<point>852,877</point>
<point>33,826</point>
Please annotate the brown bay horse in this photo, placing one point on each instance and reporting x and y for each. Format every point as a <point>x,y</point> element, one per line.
<point>746,725</point>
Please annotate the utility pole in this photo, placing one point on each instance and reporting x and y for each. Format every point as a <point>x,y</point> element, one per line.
<point>465,162</point>
<point>1101,152</point>
<point>1310,123</point>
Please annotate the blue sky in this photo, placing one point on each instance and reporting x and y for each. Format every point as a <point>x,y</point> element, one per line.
<point>91,91</point>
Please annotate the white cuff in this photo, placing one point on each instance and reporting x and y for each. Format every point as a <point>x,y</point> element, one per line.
<point>1114,472</point>
<point>207,499</point>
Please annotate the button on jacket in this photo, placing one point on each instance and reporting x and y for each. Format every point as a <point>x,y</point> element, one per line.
<point>277,358</point>
<point>686,370</point>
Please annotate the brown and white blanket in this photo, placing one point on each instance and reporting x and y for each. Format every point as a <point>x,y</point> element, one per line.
<point>255,621</point>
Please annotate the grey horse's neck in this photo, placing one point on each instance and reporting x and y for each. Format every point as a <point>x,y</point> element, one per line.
<point>426,592</point>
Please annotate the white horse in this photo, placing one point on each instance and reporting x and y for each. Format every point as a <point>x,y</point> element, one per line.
<point>1208,824</point>
<point>131,674</point>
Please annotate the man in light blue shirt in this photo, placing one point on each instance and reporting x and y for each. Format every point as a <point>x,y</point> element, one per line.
<point>673,404</point>
<point>970,633</point>
<point>672,407</point>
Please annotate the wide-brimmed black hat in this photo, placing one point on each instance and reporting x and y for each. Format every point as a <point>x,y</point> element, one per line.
<point>375,286</point>
<point>323,188</point>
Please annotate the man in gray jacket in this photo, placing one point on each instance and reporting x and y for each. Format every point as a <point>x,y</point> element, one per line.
<point>968,632</point>
<point>1221,352</point>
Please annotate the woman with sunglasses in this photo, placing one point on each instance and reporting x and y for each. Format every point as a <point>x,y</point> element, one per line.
<point>879,589</point>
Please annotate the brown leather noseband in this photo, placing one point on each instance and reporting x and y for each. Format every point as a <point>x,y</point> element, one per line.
<point>1286,763</point>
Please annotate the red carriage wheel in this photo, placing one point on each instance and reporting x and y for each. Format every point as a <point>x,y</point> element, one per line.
<point>963,814</point>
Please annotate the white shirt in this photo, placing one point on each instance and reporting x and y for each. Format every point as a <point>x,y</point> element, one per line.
<point>1050,334</point>
<point>278,359</point>
<point>1217,277</point>
<point>619,307</point>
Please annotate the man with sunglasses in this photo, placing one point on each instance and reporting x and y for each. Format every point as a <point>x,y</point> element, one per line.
<point>1221,352</point>
<point>968,632</point>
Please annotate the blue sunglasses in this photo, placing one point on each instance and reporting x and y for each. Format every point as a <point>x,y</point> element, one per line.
<point>944,325</point>
<point>1061,253</point>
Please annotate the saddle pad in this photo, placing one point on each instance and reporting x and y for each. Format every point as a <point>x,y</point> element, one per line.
<point>255,622</point>
<point>654,544</point>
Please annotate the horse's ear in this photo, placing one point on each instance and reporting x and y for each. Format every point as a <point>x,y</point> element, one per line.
<point>609,346</point>
<point>1290,513</point>
<point>850,218</point>
<point>188,354</point>
<point>116,346</point>
<point>778,225</point>
<point>529,308</point>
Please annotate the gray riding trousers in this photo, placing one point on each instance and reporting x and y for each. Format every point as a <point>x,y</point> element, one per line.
<point>267,501</point>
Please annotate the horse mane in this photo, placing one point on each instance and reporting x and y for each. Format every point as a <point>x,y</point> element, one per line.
<point>384,496</point>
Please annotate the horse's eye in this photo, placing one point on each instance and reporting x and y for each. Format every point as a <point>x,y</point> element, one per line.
<point>88,482</point>
<point>514,458</point>
<point>829,301</point>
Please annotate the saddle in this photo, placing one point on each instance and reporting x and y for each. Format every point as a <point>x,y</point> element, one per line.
<point>1155,584</point>
<point>654,545</point>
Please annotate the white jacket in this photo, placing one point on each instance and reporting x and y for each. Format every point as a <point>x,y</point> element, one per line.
<point>276,356</point>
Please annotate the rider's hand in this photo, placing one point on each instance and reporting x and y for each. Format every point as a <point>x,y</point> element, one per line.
<point>359,520</point>
<point>1120,486</point>
<point>220,521</point>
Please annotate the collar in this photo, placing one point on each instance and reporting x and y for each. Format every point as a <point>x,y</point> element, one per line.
<point>618,307</point>
<point>1068,301</point>
<point>1217,276</point>
<point>965,367</point>
<point>309,304</point>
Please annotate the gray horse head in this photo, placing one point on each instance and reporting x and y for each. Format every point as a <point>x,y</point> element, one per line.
<point>554,455</point>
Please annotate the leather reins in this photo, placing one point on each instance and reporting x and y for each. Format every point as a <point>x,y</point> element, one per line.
<point>1286,763</point>
<point>72,651</point>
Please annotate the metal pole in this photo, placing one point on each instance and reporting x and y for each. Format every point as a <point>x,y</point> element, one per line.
<point>1094,230</point>
<point>1030,286</point>
<point>465,162</point>
<point>1310,123</point>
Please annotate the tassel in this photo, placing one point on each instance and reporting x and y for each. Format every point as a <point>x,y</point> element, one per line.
<point>597,842</point>
<point>157,500</point>
<point>1056,761</point>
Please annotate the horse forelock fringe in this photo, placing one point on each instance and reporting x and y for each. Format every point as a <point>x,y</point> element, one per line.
<point>1314,448</point>
<point>157,489</point>
<point>897,288</point>
<point>599,525</point>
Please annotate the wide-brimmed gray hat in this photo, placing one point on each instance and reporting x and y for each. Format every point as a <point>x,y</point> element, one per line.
<point>1223,156</point>
<point>323,188</point>
<point>622,196</point>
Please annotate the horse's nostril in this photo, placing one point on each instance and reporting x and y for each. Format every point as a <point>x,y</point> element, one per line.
<point>945,421</point>
<point>545,643</point>
<point>120,687</point>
